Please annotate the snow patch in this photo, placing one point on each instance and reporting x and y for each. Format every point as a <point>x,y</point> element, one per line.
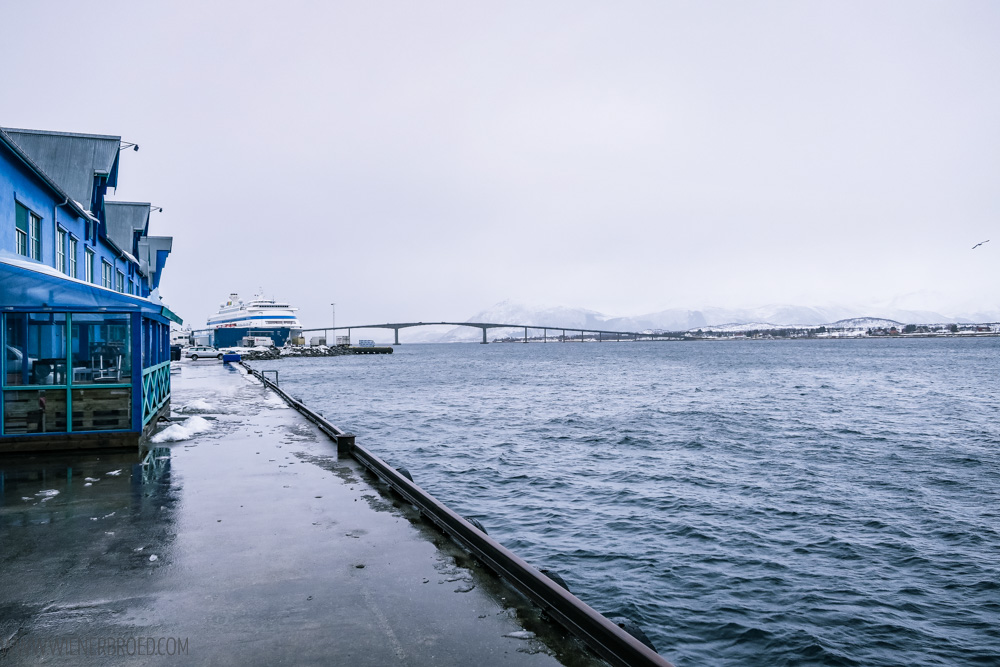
<point>114,473</point>
<point>198,405</point>
<point>275,401</point>
<point>521,634</point>
<point>48,493</point>
<point>183,431</point>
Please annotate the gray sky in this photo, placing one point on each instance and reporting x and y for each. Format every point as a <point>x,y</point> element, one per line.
<point>426,160</point>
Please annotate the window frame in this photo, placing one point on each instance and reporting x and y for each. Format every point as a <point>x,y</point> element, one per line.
<point>88,264</point>
<point>61,237</point>
<point>35,235</point>
<point>106,276</point>
<point>71,255</point>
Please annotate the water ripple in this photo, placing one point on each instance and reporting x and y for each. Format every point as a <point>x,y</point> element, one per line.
<point>777,503</point>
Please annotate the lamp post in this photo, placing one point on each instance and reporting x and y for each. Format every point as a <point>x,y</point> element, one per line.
<point>334,306</point>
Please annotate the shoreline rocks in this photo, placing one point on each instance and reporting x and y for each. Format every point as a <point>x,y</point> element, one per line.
<point>269,353</point>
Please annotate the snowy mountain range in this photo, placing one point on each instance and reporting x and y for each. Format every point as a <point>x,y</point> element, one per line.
<point>680,319</point>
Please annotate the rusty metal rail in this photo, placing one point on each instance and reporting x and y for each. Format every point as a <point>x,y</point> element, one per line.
<point>602,636</point>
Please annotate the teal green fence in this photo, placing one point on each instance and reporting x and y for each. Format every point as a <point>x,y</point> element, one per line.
<point>155,389</point>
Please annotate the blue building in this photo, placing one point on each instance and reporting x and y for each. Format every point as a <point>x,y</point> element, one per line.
<point>86,360</point>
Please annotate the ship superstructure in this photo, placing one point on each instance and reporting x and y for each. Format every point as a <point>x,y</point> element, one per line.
<point>258,317</point>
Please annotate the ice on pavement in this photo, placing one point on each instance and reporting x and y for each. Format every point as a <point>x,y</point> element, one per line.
<point>185,430</point>
<point>198,405</point>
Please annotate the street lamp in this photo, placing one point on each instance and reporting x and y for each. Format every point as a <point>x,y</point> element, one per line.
<point>334,306</point>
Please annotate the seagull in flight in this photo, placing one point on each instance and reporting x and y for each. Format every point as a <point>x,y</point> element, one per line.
<point>980,243</point>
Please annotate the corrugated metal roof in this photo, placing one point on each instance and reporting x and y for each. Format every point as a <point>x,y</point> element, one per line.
<point>26,159</point>
<point>70,159</point>
<point>123,219</point>
<point>149,246</point>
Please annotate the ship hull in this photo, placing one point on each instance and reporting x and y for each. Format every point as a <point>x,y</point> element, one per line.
<point>233,336</point>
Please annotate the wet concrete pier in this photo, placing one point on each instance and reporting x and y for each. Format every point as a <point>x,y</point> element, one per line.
<point>242,538</point>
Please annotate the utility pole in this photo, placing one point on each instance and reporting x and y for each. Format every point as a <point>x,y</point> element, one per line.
<point>334,343</point>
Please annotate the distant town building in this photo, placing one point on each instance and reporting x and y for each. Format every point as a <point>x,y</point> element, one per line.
<point>85,336</point>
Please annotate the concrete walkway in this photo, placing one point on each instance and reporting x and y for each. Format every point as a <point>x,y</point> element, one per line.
<point>249,542</point>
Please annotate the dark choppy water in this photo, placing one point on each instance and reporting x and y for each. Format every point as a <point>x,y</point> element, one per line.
<point>749,502</point>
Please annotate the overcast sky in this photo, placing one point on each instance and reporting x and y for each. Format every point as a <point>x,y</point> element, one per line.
<point>424,160</point>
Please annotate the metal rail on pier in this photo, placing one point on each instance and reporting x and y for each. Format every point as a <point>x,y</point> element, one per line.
<point>603,636</point>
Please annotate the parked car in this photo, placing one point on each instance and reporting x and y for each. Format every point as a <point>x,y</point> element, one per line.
<point>202,351</point>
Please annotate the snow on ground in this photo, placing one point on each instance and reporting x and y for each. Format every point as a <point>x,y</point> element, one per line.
<point>244,350</point>
<point>185,430</point>
<point>197,405</point>
<point>275,401</point>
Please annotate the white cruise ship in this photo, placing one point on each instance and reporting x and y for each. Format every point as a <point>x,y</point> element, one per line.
<point>259,316</point>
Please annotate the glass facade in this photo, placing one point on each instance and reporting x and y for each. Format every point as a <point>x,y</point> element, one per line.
<point>101,348</point>
<point>67,372</point>
<point>35,349</point>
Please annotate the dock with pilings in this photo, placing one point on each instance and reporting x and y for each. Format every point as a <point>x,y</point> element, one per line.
<point>245,537</point>
<point>620,642</point>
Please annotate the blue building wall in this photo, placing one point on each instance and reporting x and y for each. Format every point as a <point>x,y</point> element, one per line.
<point>56,388</point>
<point>19,184</point>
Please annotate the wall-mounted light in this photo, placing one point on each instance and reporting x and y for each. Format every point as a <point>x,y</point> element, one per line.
<point>128,144</point>
<point>155,208</point>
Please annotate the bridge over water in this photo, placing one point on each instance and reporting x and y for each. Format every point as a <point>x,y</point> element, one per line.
<point>486,326</point>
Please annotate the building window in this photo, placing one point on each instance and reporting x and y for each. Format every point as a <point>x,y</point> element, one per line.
<point>61,250</point>
<point>88,265</point>
<point>21,229</point>
<point>100,348</point>
<point>28,232</point>
<point>72,257</point>
<point>36,236</point>
<point>35,345</point>
<point>120,282</point>
<point>105,274</point>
